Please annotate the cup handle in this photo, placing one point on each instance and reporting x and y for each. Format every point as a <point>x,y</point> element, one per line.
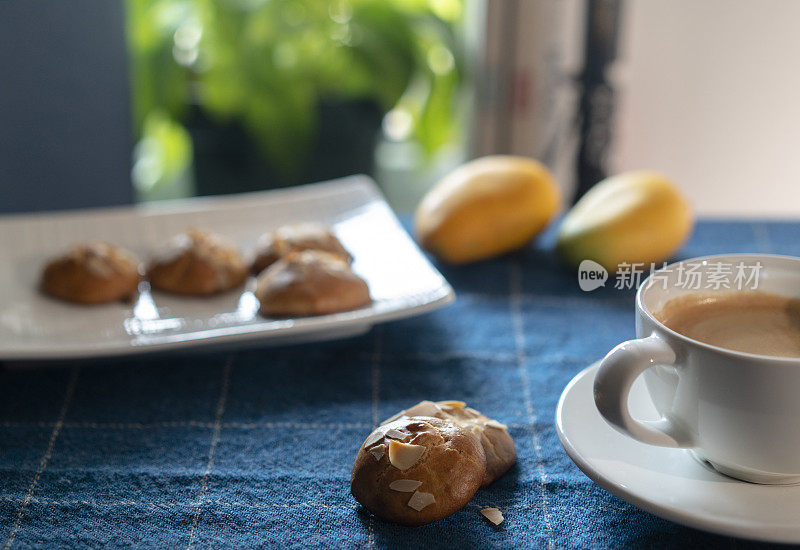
<point>612,385</point>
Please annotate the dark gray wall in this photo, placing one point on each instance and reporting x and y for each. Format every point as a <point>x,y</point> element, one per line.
<point>65,138</point>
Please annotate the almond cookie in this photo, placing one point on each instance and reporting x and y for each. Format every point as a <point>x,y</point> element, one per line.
<point>92,273</point>
<point>271,247</point>
<point>197,263</point>
<point>310,283</point>
<point>417,470</point>
<point>497,443</point>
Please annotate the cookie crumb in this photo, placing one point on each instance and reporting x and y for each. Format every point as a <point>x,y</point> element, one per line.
<point>493,514</point>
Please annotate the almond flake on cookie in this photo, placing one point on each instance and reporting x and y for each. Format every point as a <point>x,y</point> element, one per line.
<point>471,412</point>
<point>396,434</point>
<point>426,408</point>
<point>493,514</point>
<point>378,451</point>
<point>373,438</point>
<point>393,417</point>
<point>404,455</point>
<point>404,485</point>
<point>496,424</point>
<point>420,500</point>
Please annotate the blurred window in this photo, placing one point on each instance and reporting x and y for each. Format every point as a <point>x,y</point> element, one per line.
<point>239,95</point>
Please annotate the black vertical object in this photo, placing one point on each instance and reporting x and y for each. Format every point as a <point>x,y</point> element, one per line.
<point>65,132</point>
<point>596,109</point>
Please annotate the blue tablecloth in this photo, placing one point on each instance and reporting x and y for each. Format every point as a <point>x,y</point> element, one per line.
<point>255,447</point>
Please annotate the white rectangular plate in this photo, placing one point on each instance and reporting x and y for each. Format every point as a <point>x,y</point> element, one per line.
<point>32,326</point>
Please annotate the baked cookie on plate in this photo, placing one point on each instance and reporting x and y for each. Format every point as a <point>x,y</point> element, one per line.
<point>95,272</point>
<point>310,282</point>
<point>197,263</point>
<point>297,237</point>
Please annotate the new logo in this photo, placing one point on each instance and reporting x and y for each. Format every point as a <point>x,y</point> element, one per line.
<point>591,275</point>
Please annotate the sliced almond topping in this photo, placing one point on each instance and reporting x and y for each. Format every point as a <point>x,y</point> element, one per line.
<point>472,412</point>
<point>373,438</point>
<point>477,430</point>
<point>493,514</point>
<point>378,451</point>
<point>393,417</point>
<point>496,424</point>
<point>396,434</point>
<point>424,408</point>
<point>420,500</point>
<point>404,455</point>
<point>453,404</point>
<point>404,485</point>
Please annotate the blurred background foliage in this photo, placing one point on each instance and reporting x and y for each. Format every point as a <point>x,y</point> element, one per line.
<point>265,68</point>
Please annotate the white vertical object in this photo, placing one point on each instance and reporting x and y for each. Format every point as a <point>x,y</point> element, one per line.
<point>711,96</point>
<point>525,92</point>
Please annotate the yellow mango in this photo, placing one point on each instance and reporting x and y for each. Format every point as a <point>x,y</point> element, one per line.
<point>634,217</point>
<point>486,207</point>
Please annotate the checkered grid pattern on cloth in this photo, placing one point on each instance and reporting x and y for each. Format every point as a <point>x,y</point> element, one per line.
<point>255,447</point>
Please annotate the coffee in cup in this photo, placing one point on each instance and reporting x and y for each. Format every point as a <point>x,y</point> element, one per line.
<point>751,321</point>
<point>721,366</point>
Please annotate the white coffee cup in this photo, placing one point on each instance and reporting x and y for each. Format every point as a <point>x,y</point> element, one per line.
<point>738,411</point>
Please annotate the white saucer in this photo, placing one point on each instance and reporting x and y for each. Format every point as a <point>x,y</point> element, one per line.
<point>669,483</point>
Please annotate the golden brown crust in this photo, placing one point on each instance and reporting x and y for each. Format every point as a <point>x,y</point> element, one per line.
<point>273,246</point>
<point>197,263</point>
<point>92,273</point>
<point>450,469</point>
<point>310,283</point>
<point>498,445</point>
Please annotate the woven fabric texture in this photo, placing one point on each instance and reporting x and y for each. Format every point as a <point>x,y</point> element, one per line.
<point>254,447</point>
